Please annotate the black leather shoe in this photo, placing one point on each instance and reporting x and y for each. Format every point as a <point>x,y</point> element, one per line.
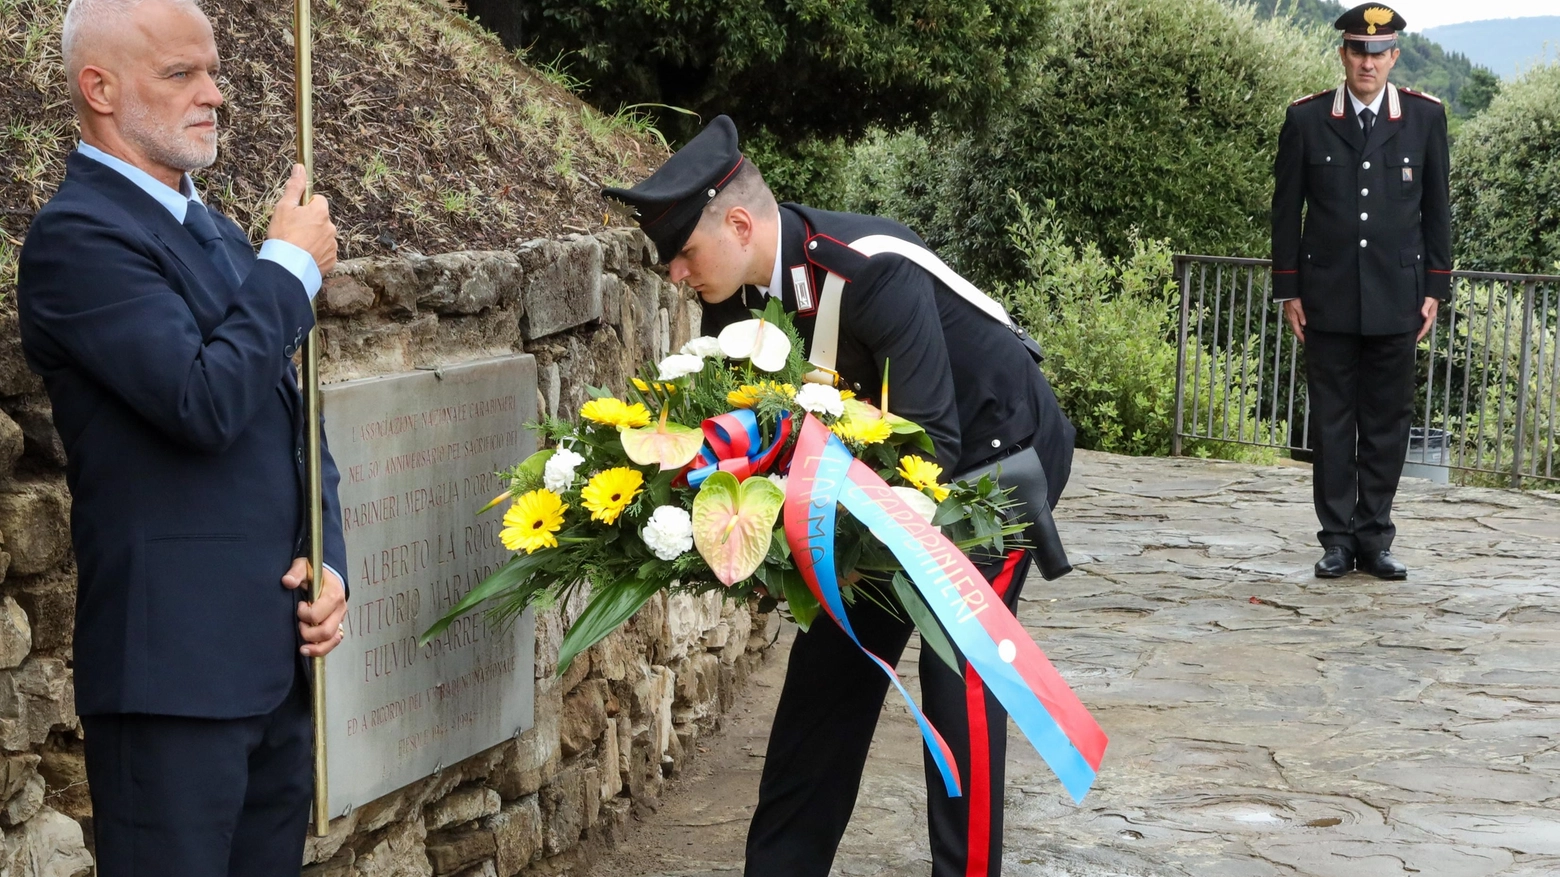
<point>1382,565</point>
<point>1335,563</point>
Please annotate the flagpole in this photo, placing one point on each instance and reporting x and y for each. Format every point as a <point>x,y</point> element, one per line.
<point>303,78</point>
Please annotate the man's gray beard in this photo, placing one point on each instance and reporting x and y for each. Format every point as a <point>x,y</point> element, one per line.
<point>166,148</point>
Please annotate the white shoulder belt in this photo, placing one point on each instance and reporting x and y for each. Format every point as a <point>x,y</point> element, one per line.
<point>826,330</point>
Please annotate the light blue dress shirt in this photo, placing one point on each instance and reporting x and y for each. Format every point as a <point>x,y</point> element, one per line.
<point>295,259</point>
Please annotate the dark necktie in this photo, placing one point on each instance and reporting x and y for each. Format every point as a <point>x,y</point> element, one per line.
<point>204,230</point>
<point>1367,119</point>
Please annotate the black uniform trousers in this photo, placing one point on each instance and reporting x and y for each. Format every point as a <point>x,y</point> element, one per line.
<point>1362,402</point>
<point>823,728</point>
<point>202,797</point>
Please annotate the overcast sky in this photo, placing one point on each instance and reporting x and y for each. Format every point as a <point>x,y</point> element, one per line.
<point>1421,14</point>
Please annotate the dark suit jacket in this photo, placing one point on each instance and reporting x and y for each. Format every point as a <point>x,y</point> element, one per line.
<point>177,402</point>
<point>1377,233</point>
<point>966,379</point>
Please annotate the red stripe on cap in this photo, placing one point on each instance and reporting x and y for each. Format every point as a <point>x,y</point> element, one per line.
<point>718,186</point>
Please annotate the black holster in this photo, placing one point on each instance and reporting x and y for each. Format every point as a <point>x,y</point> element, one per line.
<point>1024,475</point>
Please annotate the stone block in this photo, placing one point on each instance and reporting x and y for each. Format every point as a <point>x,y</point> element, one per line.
<point>463,805</point>
<point>331,847</point>
<point>467,283</point>
<point>16,771</point>
<point>644,774</point>
<point>35,519</point>
<point>584,717</point>
<point>688,619</point>
<point>394,282</point>
<point>15,377</point>
<point>12,443</point>
<point>611,770</point>
<point>40,441</point>
<point>517,835</point>
<point>15,634</point>
<point>563,811</point>
<point>481,869</point>
<point>590,794</point>
<point>562,286</point>
<point>343,295</point>
<point>35,699</point>
<point>338,866</point>
<point>25,804</point>
<point>48,845</point>
<point>451,851</point>
<point>397,851</point>
<point>611,299</point>
<point>531,760</point>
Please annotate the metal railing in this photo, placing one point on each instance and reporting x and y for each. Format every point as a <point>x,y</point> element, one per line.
<point>1488,373</point>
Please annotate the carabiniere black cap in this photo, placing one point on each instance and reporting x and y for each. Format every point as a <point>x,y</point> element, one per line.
<point>1370,28</point>
<point>670,202</point>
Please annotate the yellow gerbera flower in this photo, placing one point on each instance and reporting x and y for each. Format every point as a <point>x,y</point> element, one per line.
<point>644,387</point>
<point>610,491</point>
<point>615,412</point>
<point>533,521</point>
<point>862,431</point>
<point>923,474</point>
<point>746,396</point>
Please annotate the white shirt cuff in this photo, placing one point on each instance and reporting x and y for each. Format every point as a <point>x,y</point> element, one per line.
<point>297,261</point>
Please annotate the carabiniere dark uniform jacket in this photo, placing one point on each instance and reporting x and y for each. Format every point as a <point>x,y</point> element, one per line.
<point>965,378</point>
<point>1376,237</point>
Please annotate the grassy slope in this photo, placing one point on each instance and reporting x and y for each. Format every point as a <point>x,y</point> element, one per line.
<point>429,136</point>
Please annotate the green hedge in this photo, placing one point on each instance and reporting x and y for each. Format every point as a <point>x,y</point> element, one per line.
<point>1161,115</point>
<point>1506,179</point>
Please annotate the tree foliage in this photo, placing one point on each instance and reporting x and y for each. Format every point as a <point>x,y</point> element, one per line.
<point>1157,114</point>
<point>800,68</point>
<point>1506,179</point>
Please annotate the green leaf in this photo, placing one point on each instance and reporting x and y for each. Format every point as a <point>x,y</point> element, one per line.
<point>608,608</point>
<point>733,523</point>
<point>932,635</point>
<point>514,580</point>
<point>528,475</point>
<point>668,445</point>
<point>803,605</point>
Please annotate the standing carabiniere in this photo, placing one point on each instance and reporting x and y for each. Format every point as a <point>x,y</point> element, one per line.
<point>1361,260</point>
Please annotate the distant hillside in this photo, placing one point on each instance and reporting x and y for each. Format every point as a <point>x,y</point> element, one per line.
<point>1424,64</point>
<point>1505,45</point>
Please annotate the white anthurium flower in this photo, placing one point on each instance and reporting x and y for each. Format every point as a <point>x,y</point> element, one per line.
<point>702,346</point>
<point>668,532</point>
<point>919,502</point>
<point>679,365</point>
<point>820,399</point>
<point>760,342</point>
<point>558,473</point>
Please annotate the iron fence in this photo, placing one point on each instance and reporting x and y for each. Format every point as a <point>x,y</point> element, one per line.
<point>1488,373</point>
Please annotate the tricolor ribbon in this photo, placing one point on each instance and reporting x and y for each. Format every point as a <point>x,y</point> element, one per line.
<point>733,443</point>
<point>823,475</point>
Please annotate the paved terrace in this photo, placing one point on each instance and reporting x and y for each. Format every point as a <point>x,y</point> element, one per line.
<point>1262,722</point>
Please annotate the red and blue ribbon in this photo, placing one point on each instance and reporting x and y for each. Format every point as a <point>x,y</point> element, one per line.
<point>734,443</point>
<point>824,474</point>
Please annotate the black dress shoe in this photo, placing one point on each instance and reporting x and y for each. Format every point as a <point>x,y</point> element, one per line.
<point>1335,563</point>
<point>1382,565</point>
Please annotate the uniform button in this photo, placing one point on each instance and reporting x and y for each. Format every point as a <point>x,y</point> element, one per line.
<point>1329,158</point>
<point>288,351</point>
<point>812,245</point>
<point>299,455</point>
<point>1362,243</point>
<point>996,443</point>
<point>1405,159</point>
<point>1364,216</point>
<point>1364,191</point>
<point>855,388</point>
<point>1367,165</point>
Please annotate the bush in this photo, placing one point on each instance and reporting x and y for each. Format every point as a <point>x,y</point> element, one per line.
<point>1108,327</point>
<point>1506,179</point>
<point>1157,114</point>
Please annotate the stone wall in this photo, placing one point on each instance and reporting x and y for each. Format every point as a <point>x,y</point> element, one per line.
<point>607,735</point>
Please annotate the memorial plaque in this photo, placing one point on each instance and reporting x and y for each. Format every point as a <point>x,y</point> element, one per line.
<point>417,454</point>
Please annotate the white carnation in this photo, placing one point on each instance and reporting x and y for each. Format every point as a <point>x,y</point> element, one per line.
<point>820,399</point>
<point>702,346</point>
<point>680,365</point>
<point>669,532</point>
<point>777,480</point>
<point>558,473</point>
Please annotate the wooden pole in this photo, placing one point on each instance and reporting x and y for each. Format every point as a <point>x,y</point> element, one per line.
<point>314,482</point>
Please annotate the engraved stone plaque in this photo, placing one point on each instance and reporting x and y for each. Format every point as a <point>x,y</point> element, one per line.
<point>417,454</point>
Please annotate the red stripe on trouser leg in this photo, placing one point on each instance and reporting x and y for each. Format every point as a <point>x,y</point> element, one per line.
<point>978,854</point>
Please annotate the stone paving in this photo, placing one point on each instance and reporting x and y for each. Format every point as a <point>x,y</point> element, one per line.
<point>1262,722</point>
